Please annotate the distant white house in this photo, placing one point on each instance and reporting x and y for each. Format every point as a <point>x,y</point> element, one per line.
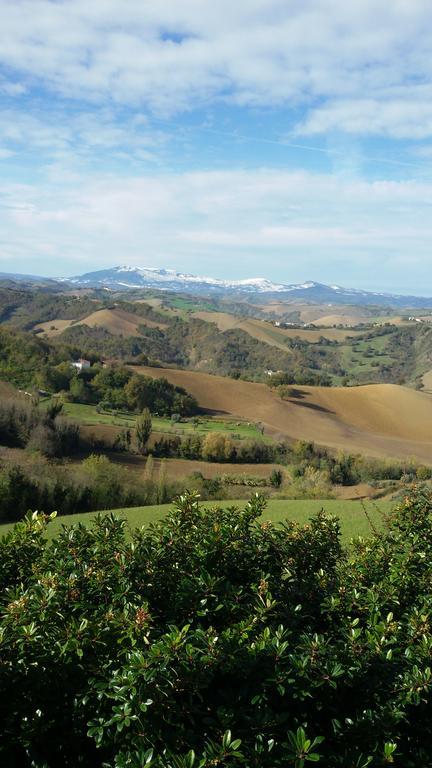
<point>80,364</point>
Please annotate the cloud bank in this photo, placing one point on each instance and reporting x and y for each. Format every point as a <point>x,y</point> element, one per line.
<point>363,66</point>
<point>309,226</point>
<point>285,137</point>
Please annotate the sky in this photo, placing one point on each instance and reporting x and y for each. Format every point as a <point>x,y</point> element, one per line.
<point>288,139</point>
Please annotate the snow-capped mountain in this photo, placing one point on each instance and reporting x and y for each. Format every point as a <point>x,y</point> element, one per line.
<point>257,288</point>
<point>169,279</point>
<point>124,277</point>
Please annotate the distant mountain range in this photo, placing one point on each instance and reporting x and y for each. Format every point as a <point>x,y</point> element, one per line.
<point>17,277</point>
<point>167,279</point>
<point>258,288</point>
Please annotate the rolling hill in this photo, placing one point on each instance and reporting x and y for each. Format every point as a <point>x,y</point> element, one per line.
<point>117,321</point>
<point>384,420</point>
<point>270,334</point>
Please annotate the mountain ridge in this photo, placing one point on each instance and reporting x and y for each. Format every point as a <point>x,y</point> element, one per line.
<point>125,277</point>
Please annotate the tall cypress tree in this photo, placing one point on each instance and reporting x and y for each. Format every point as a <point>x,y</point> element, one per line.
<point>143,429</point>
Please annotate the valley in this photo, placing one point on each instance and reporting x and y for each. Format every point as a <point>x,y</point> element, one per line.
<point>293,398</point>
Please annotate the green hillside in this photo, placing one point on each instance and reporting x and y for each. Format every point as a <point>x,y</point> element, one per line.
<point>354,520</point>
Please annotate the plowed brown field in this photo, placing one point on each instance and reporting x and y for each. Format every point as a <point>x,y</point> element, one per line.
<point>377,420</point>
<point>116,321</point>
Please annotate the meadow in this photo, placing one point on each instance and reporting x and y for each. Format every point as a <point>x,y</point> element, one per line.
<point>87,415</point>
<point>354,520</point>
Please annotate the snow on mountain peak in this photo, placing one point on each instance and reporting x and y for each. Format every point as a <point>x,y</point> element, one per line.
<point>133,277</point>
<point>128,277</point>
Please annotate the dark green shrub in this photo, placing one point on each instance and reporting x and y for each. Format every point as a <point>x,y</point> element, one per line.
<point>276,478</point>
<point>211,639</point>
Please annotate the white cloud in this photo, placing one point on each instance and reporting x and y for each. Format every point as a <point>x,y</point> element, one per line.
<point>51,132</point>
<point>170,55</point>
<point>402,118</point>
<point>290,226</point>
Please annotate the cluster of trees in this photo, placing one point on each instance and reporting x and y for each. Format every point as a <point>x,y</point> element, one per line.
<point>95,483</point>
<point>304,457</point>
<point>117,388</point>
<point>210,639</point>
<point>349,469</point>
<point>159,396</point>
<point>21,356</point>
<point>221,486</point>
<point>215,446</point>
<point>97,342</point>
<point>23,309</point>
<point>282,380</point>
<point>251,481</point>
<point>24,424</point>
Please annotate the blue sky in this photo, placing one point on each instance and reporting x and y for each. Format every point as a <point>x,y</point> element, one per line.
<point>279,138</point>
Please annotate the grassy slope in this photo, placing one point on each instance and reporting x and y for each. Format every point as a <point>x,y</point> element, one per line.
<point>363,357</point>
<point>54,327</point>
<point>351,514</point>
<point>87,415</point>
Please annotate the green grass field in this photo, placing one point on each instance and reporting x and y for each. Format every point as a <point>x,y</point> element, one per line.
<point>87,415</point>
<point>189,305</point>
<point>365,357</point>
<point>351,514</point>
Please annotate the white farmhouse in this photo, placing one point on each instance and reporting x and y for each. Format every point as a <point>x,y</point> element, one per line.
<point>80,364</point>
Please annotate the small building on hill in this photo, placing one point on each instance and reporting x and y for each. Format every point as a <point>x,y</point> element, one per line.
<point>80,364</point>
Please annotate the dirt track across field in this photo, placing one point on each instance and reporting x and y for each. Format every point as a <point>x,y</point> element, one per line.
<point>377,420</point>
